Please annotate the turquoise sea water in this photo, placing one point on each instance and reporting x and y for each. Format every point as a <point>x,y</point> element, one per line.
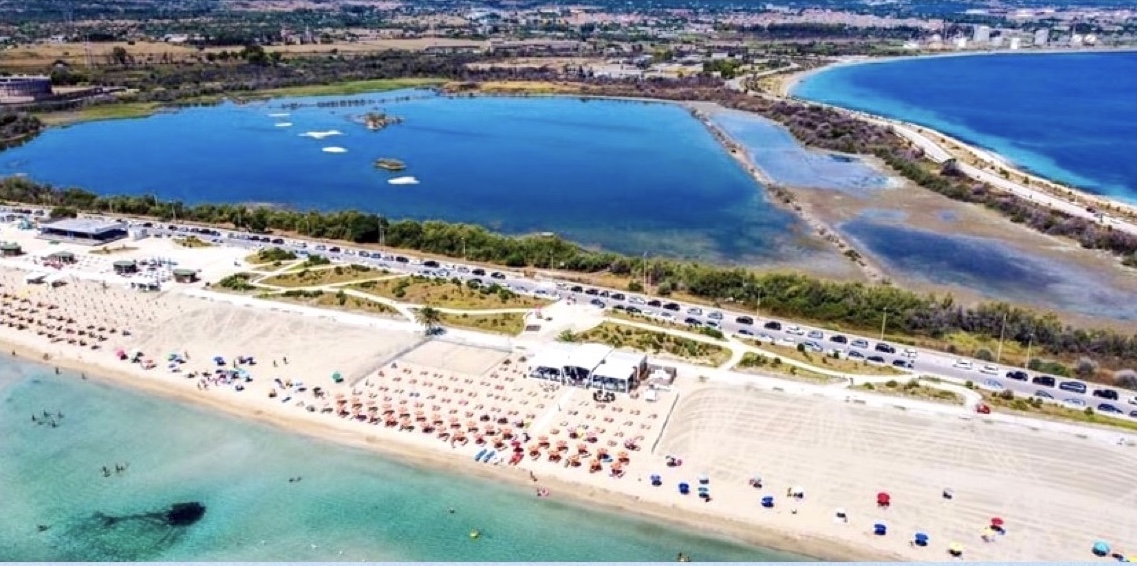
<point>350,505</point>
<point>1071,116</point>
<point>627,176</point>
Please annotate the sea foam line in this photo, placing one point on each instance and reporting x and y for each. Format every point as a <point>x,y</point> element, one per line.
<point>321,135</point>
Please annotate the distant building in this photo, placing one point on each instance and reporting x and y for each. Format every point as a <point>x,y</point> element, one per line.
<point>1015,43</point>
<point>83,231</point>
<point>960,43</point>
<point>1041,37</point>
<point>24,88</point>
<point>982,35</point>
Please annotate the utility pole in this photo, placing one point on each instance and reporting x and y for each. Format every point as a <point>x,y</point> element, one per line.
<point>883,323</point>
<point>1029,343</point>
<point>382,236</point>
<point>1002,333</point>
<point>463,248</point>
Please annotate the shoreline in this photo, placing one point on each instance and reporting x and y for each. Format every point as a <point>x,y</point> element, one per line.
<point>702,112</point>
<point>787,84</point>
<point>575,493</point>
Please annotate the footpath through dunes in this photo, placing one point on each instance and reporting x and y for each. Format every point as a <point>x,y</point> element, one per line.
<point>1057,492</point>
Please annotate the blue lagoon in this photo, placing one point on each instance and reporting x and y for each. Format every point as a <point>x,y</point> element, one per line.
<point>627,176</point>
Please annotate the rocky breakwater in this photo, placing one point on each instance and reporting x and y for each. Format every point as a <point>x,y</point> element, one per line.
<point>783,196</point>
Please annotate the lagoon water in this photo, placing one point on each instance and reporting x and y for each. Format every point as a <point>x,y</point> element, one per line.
<point>349,506</point>
<point>627,176</point>
<point>1070,116</point>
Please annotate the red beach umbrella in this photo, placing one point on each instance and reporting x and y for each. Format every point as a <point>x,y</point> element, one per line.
<point>997,522</point>
<point>883,498</point>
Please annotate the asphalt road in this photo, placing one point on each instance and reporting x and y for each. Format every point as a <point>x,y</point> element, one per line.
<point>984,375</point>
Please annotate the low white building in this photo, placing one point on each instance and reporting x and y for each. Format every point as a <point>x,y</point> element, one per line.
<point>592,366</point>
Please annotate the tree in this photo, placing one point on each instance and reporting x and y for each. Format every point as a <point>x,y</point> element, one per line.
<point>430,318</point>
<point>119,55</point>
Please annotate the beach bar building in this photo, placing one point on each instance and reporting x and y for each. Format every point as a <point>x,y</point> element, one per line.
<point>10,249</point>
<point>593,366</point>
<point>89,231</point>
<point>62,257</point>
<point>185,275</point>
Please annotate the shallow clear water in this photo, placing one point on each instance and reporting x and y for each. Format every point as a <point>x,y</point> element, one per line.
<point>350,505</point>
<point>1070,116</point>
<point>787,162</point>
<point>989,266</point>
<point>627,176</point>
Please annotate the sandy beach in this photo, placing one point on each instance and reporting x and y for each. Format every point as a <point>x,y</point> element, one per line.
<point>785,85</point>
<point>379,384</point>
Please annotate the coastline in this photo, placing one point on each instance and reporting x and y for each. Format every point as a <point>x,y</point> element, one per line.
<point>576,493</point>
<point>786,85</point>
<point>822,229</point>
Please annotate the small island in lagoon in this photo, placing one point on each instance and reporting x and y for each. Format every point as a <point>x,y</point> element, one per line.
<point>376,121</point>
<point>390,164</point>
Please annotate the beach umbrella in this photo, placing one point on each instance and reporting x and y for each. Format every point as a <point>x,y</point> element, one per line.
<point>955,549</point>
<point>1101,548</point>
<point>996,521</point>
<point>704,479</point>
<point>336,377</point>
<point>883,499</point>
<point>921,539</point>
<point>656,479</point>
<point>768,501</point>
<point>880,529</point>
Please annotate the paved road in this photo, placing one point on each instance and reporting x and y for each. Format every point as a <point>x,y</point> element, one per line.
<point>745,325</point>
<point>938,154</point>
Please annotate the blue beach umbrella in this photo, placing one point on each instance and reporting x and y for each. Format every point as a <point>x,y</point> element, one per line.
<point>656,480</point>
<point>684,488</point>
<point>1101,548</point>
<point>768,501</point>
<point>880,529</point>
<point>921,539</point>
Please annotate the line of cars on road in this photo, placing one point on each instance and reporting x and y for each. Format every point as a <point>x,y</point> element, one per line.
<point>1071,393</point>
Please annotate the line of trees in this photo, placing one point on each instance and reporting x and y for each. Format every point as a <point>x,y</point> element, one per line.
<point>16,128</point>
<point>840,305</point>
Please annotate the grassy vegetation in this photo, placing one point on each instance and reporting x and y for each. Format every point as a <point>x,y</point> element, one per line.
<point>274,256</point>
<point>510,323</point>
<point>914,389</point>
<point>826,361</point>
<point>623,336</point>
<point>108,250</point>
<point>452,294</point>
<point>238,282</point>
<point>346,88</point>
<point>337,301</point>
<point>514,87</point>
<point>753,361</point>
<point>100,112</point>
<point>192,242</point>
<point>1006,400</point>
<point>315,277</point>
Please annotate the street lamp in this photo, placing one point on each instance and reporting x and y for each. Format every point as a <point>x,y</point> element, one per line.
<point>1029,343</point>
<point>1002,333</point>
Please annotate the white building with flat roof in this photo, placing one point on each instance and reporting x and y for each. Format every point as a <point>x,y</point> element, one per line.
<point>592,366</point>
<point>1041,37</point>
<point>982,35</point>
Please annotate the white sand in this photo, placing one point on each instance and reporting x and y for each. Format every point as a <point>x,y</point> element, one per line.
<point>1058,493</point>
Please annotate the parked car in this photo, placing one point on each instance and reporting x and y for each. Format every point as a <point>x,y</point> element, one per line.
<point>1073,386</point>
<point>1106,394</point>
<point>745,332</point>
<point>962,364</point>
<point>1018,375</point>
<point>1109,409</point>
<point>910,353</point>
<point>989,369</point>
<point>813,346</point>
<point>860,343</point>
<point>886,348</point>
<point>854,355</point>
<point>795,330</point>
<point>992,384</point>
<point>876,360</point>
<point>816,335</point>
<point>902,363</point>
<point>744,320</point>
<point>1043,380</point>
<point>1043,394</point>
<point>773,325</point>
<point>838,339</point>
